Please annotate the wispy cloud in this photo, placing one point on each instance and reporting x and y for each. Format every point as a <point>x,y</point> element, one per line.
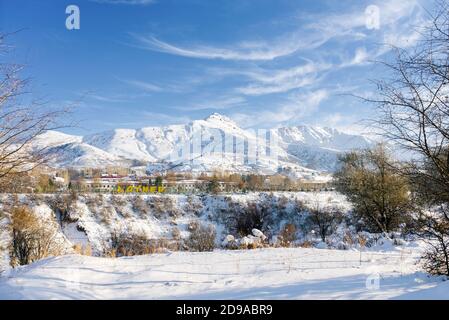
<point>256,51</point>
<point>104,98</point>
<point>294,109</point>
<point>325,43</point>
<point>354,22</point>
<point>146,86</point>
<point>277,81</point>
<point>313,35</point>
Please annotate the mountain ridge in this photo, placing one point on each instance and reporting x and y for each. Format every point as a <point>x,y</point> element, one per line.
<point>303,147</point>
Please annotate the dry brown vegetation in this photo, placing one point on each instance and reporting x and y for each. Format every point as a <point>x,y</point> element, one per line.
<point>287,235</point>
<point>125,244</point>
<point>202,237</point>
<point>140,206</point>
<point>32,239</point>
<point>85,250</point>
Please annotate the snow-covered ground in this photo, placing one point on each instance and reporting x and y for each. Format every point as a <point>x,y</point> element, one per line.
<point>296,273</point>
<point>385,269</point>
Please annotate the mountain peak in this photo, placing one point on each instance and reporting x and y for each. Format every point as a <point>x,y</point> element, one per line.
<point>219,117</point>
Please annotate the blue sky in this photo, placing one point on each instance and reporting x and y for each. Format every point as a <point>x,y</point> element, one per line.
<point>264,63</point>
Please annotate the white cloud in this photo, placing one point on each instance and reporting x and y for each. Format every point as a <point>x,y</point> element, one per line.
<point>324,28</point>
<point>295,109</point>
<point>249,51</point>
<point>341,24</point>
<point>284,86</point>
<point>277,81</point>
<point>325,40</point>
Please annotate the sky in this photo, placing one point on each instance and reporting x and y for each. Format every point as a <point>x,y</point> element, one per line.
<point>263,63</point>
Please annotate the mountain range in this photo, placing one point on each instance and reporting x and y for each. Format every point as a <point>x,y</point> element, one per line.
<point>302,150</point>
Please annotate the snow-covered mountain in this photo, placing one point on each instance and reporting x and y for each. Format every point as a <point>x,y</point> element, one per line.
<point>318,148</point>
<point>224,145</point>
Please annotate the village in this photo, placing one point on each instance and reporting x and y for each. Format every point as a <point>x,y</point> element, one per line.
<point>138,180</point>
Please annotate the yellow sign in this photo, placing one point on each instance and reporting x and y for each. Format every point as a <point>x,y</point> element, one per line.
<point>140,189</point>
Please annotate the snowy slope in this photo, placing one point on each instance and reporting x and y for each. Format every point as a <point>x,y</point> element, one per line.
<point>55,138</point>
<point>318,148</point>
<point>77,154</point>
<point>120,143</point>
<point>297,273</point>
<point>322,137</point>
<point>301,148</point>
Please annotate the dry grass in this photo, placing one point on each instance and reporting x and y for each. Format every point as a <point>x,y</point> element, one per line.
<point>85,250</point>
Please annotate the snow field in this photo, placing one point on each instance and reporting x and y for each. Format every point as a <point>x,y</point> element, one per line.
<point>297,273</point>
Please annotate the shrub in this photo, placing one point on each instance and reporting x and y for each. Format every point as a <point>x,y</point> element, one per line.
<point>250,242</point>
<point>306,244</point>
<point>61,204</point>
<point>287,235</point>
<point>140,206</point>
<point>124,244</point>
<point>229,242</point>
<point>175,233</point>
<point>379,194</point>
<point>118,201</point>
<point>193,206</point>
<point>163,206</point>
<point>362,240</point>
<point>348,239</point>
<point>78,248</point>
<point>282,203</point>
<point>253,217</point>
<point>130,244</point>
<point>434,261</point>
<point>106,215</point>
<point>324,220</point>
<point>85,250</point>
<point>32,239</point>
<point>435,232</point>
<point>202,238</point>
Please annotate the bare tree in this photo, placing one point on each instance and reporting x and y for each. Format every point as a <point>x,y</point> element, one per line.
<point>435,231</point>
<point>324,218</point>
<point>22,119</point>
<point>414,102</point>
<point>414,109</point>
